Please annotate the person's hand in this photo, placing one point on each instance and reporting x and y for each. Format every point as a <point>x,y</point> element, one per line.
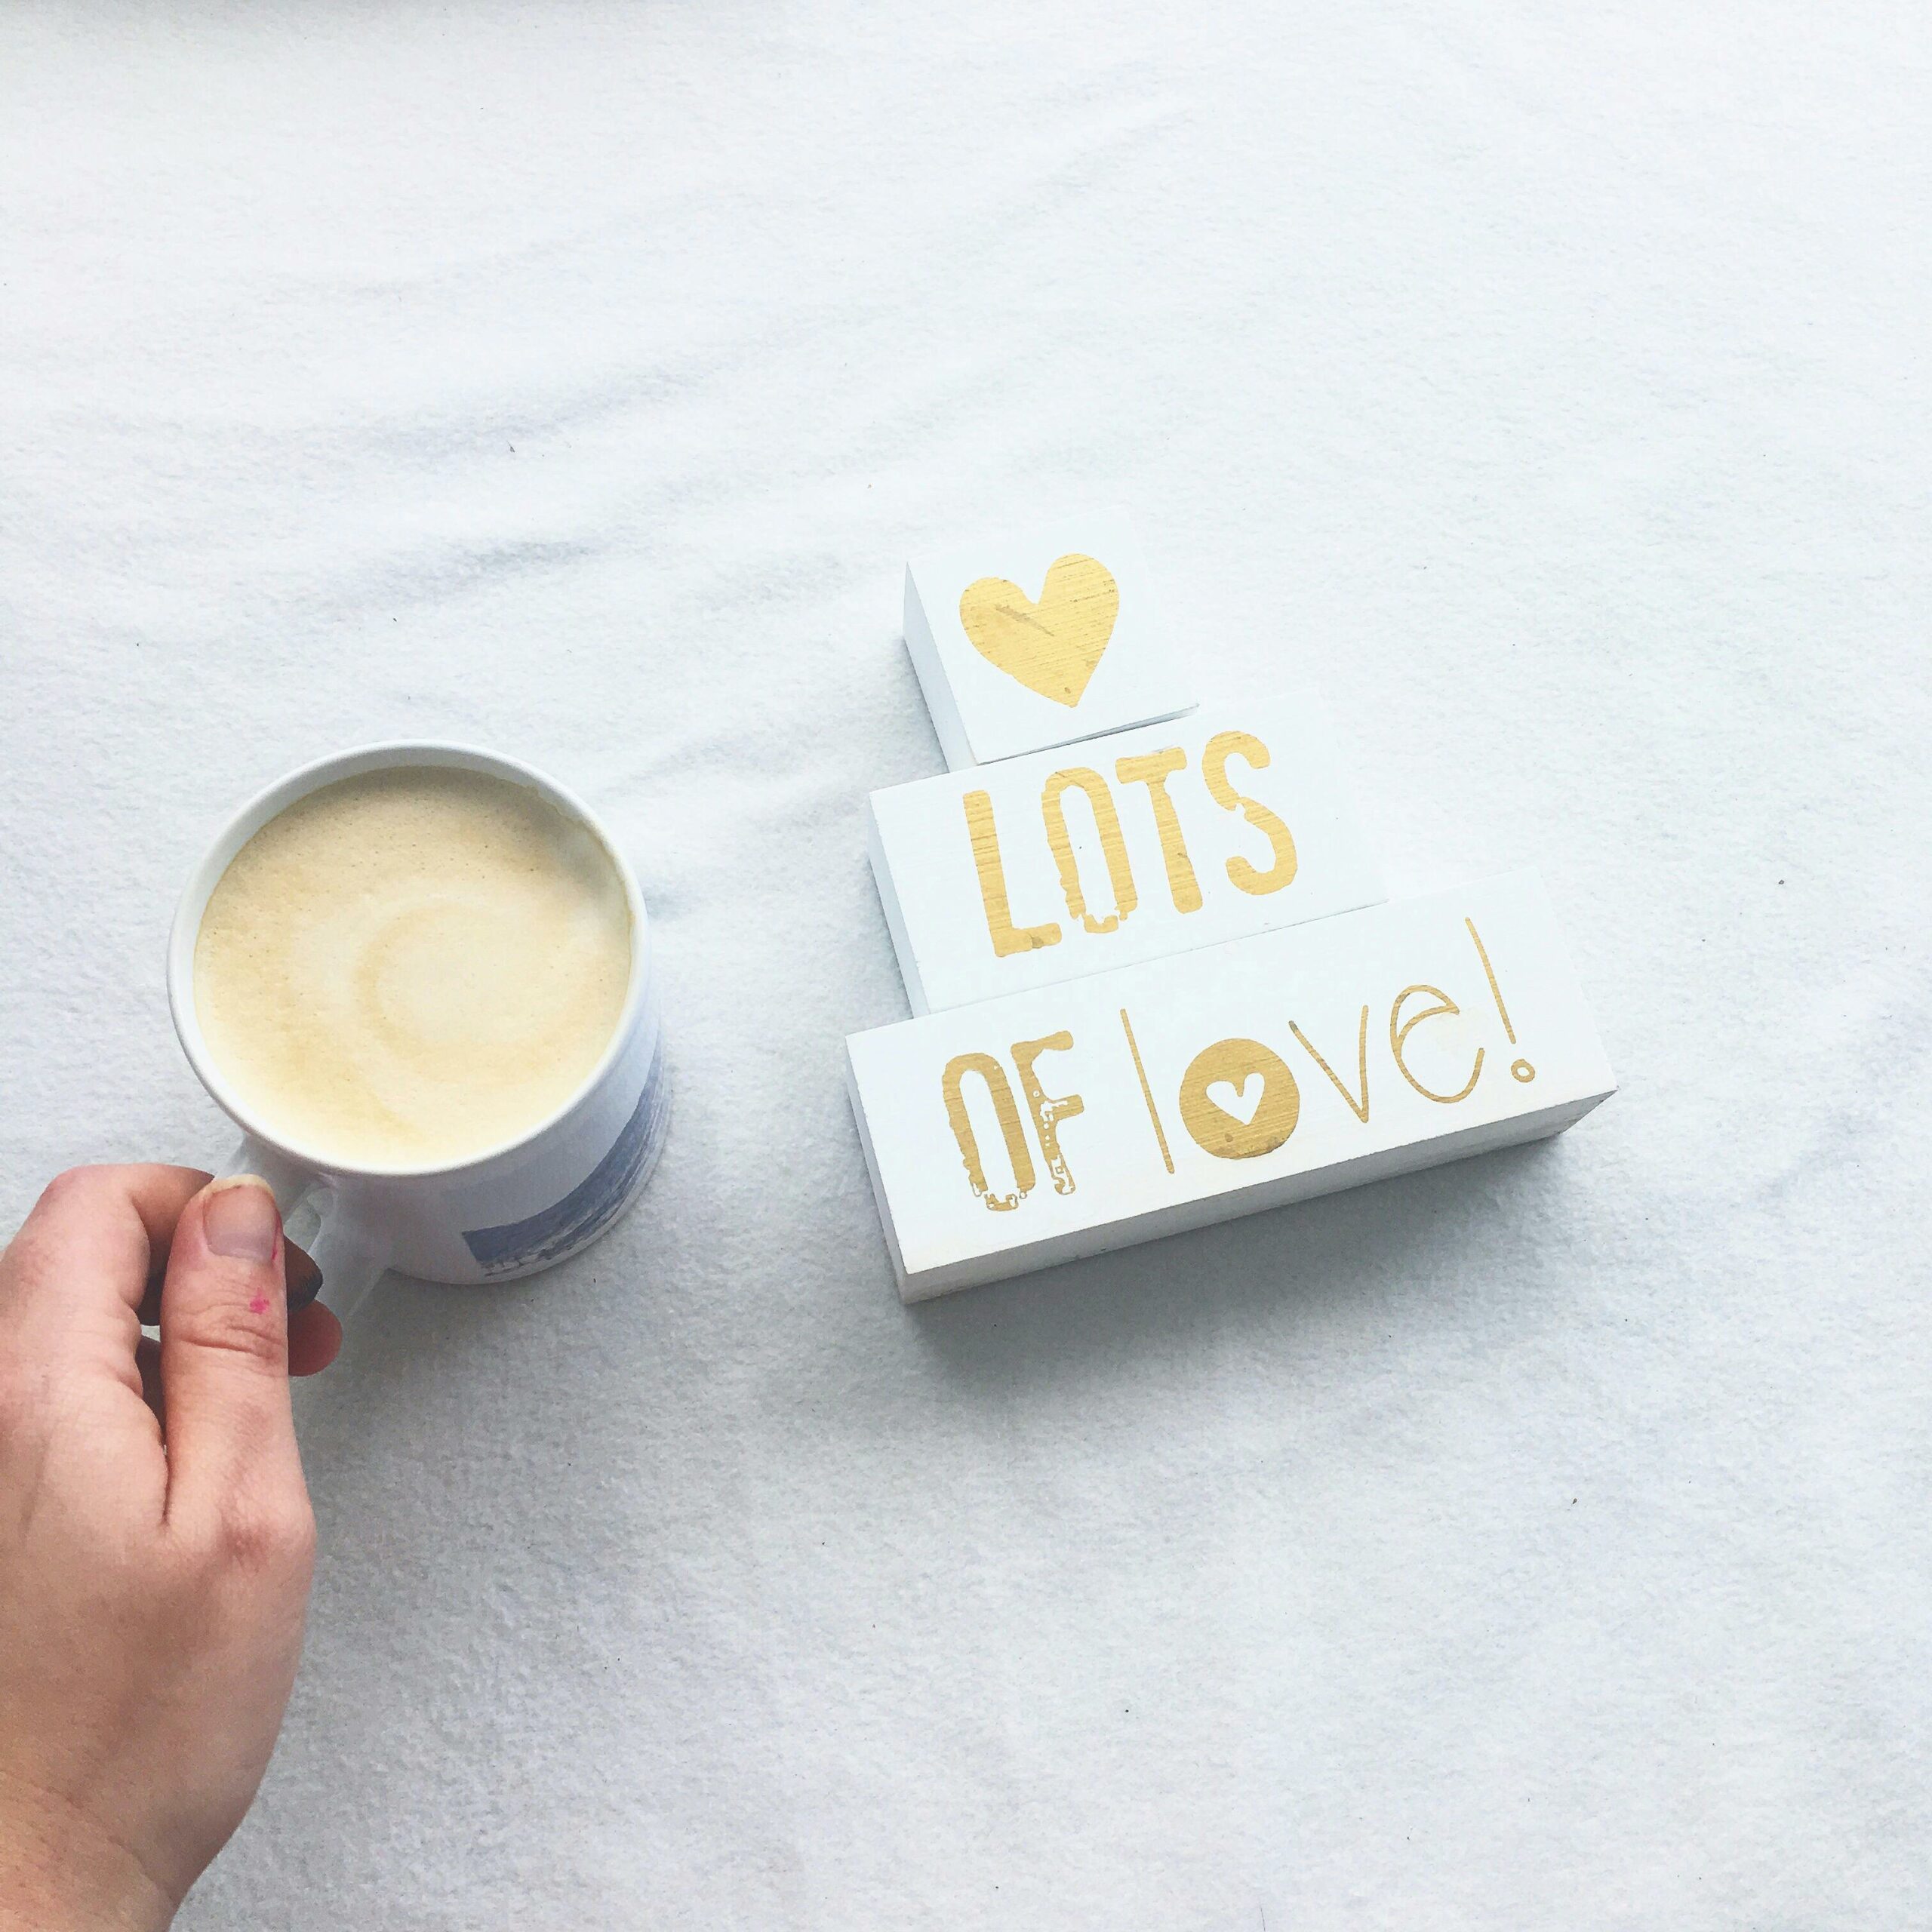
<point>155,1536</point>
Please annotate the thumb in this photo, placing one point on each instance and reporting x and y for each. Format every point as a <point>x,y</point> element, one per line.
<point>224,1358</point>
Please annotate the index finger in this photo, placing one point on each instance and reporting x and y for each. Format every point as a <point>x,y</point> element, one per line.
<point>112,1223</point>
<point>71,1280</point>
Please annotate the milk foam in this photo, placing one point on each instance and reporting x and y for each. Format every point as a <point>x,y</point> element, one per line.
<point>407,968</point>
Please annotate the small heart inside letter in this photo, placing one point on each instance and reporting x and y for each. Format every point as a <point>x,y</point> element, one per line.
<point>1051,647</point>
<point>1233,1099</point>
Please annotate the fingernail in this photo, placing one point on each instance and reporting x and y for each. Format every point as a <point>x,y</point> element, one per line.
<point>240,1219</point>
<point>304,1278</point>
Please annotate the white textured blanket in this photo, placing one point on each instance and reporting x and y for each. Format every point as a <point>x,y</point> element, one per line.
<point>1541,1540</point>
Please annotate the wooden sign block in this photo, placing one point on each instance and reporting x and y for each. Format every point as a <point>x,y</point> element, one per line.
<point>1080,1117</point>
<point>1040,637</point>
<point>1233,820</point>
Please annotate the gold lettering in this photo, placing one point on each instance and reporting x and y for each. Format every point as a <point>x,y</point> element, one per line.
<point>1147,1091</point>
<point>1359,1109</point>
<point>1215,1107</point>
<point>984,833</point>
<point>1153,770</point>
<point>1000,1089</point>
<point>1223,745</point>
<point>1398,1033</point>
<point>1048,1111</point>
<point>1113,846</point>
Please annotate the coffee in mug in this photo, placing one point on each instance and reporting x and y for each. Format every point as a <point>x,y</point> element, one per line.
<point>409,966</point>
<point>418,976</point>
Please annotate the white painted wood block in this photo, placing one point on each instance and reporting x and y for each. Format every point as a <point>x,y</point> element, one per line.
<point>1077,1117</point>
<point>1233,819</point>
<point>1040,637</point>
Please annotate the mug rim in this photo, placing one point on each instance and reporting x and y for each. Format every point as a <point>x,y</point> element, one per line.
<point>275,797</point>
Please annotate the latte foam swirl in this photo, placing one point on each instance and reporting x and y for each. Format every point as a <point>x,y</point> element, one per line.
<point>411,967</point>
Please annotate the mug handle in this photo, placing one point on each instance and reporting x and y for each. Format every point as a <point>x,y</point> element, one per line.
<point>316,1217</point>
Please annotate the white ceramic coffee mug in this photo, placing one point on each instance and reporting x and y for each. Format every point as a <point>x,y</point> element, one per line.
<point>505,1213</point>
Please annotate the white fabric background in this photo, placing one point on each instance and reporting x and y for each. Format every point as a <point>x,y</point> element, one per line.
<point>1543,1540</point>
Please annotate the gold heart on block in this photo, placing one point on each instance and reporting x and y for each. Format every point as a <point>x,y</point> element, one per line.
<point>1051,647</point>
